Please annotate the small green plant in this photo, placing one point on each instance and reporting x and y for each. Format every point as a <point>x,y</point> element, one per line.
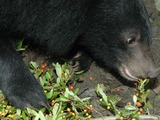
<point>21,46</point>
<point>130,112</point>
<point>63,100</point>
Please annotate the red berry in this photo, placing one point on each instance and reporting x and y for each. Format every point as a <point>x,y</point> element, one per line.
<point>90,78</point>
<point>71,87</point>
<point>118,89</point>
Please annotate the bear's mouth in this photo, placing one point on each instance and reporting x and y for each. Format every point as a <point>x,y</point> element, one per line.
<point>124,71</point>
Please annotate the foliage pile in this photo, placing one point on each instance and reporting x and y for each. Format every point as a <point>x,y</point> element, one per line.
<point>64,102</point>
<point>130,111</point>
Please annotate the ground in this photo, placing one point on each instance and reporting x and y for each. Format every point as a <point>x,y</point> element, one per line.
<point>87,87</point>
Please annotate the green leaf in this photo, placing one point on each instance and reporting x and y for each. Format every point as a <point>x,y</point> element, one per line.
<point>58,80</point>
<point>67,72</point>
<point>31,111</point>
<point>41,115</point>
<point>38,72</point>
<point>64,66</point>
<point>24,115</point>
<point>147,105</point>
<point>37,117</point>
<point>49,94</point>
<point>47,87</point>
<point>85,99</point>
<point>55,111</point>
<point>76,91</point>
<point>43,80</point>
<point>56,85</point>
<point>18,112</point>
<point>142,84</point>
<point>134,99</point>
<point>79,72</point>
<point>55,94</point>
<point>58,70</point>
<point>100,91</point>
<point>130,108</point>
<point>50,72</point>
<point>20,46</point>
<point>20,43</point>
<point>64,99</point>
<point>48,76</point>
<point>33,65</point>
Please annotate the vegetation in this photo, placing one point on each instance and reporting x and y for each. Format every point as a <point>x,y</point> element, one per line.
<point>64,102</point>
<point>130,111</point>
<point>59,87</point>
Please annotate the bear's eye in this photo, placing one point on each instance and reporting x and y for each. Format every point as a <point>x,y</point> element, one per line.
<point>131,40</point>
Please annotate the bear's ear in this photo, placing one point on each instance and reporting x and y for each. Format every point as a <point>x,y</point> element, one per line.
<point>131,37</point>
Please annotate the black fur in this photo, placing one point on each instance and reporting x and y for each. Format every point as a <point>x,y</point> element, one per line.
<point>93,27</point>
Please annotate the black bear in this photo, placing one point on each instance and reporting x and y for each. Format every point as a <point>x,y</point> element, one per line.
<point>114,33</point>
